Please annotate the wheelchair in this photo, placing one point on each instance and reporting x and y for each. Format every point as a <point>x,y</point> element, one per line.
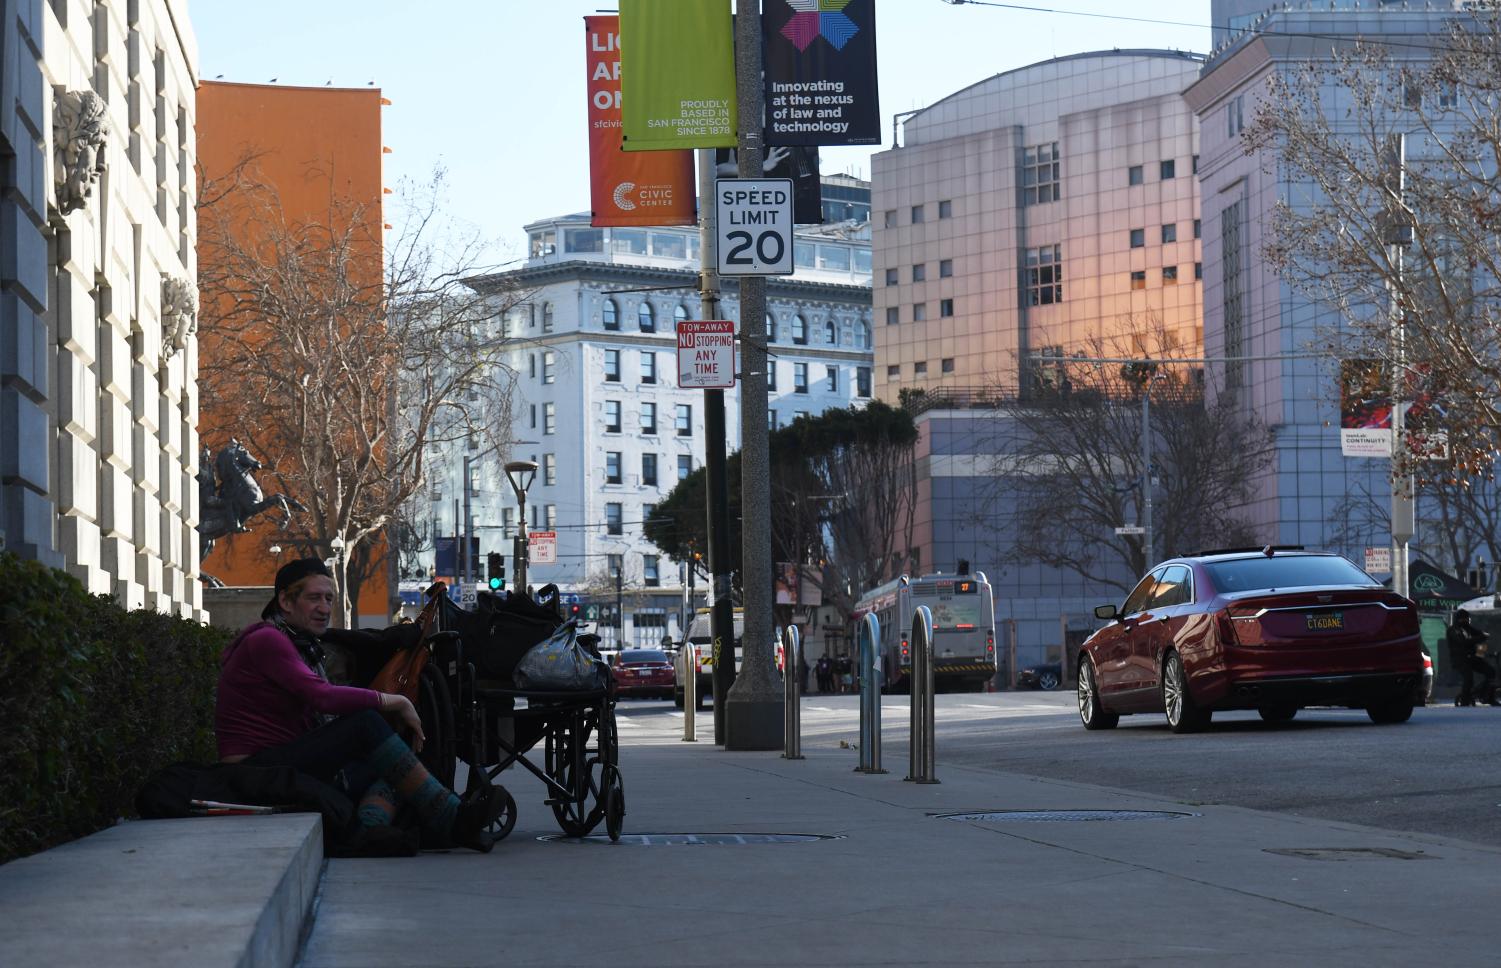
<point>472,710</point>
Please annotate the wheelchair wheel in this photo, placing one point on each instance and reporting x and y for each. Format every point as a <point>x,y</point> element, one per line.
<point>506,821</point>
<point>435,707</point>
<point>580,771</point>
<point>614,803</point>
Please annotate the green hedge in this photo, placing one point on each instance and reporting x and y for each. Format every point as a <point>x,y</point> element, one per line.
<point>93,699</point>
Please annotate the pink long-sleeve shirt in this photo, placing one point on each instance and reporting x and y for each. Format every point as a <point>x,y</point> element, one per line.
<point>269,696</point>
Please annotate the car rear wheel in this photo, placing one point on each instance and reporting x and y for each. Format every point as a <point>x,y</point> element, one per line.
<point>1091,713</point>
<point>1183,714</point>
<point>1278,714</point>
<point>1390,712</point>
<point>1048,680</point>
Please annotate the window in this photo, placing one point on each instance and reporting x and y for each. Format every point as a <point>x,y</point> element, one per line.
<point>919,312</point>
<point>649,419</point>
<point>615,563</point>
<point>890,277</point>
<point>1138,238</point>
<point>584,240</point>
<point>862,381</point>
<point>889,221</point>
<point>831,378</point>
<point>947,366</point>
<point>920,368</point>
<point>1044,275</point>
<point>609,314</point>
<point>945,307</point>
<point>1235,119</point>
<point>531,365</point>
<point>647,510</point>
<point>648,367</point>
<point>547,317</point>
<point>613,518</point>
<point>799,331</point>
<point>1170,233</point>
<point>612,366</point>
<point>646,318</point>
<point>508,522</point>
<point>1139,279</point>
<point>831,333</point>
<point>771,420</point>
<point>1040,174</point>
<point>549,418</point>
<point>534,416</point>
<point>1133,175</point>
<point>771,374</point>
<point>917,216</point>
<point>799,415</point>
<point>771,329</point>
<point>1169,169</point>
<point>1196,164</point>
<point>628,241</point>
<point>1169,275</point>
<point>548,359</point>
<point>892,316</point>
<point>1198,270</point>
<point>1448,94</point>
<point>1198,228</point>
<point>649,573</point>
<point>549,516</point>
<point>834,257</point>
<point>919,273</point>
<point>549,468</point>
<point>649,470</point>
<point>945,209</point>
<point>685,465</point>
<point>804,256</point>
<point>864,336</point>
<point>893,373</point>
<point>612,416</point>
<point>612,467</point>
<point>679,315</point>
<point>799,378</point>
<point>684,420</point>
<point>945,268</point>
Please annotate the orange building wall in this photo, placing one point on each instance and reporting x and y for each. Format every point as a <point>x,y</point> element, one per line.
<point>311,144</point>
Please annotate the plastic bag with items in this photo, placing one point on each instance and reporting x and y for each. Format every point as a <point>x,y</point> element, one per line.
<point>560,662</point>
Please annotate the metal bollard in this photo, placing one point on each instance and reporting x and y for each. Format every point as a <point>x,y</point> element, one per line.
<point>792,658</point>
<point>870,696</point>
<point>690,690</point>
<point>921,758</point>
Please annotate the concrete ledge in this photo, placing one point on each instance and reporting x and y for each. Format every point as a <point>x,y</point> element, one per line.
<point>231,891</point>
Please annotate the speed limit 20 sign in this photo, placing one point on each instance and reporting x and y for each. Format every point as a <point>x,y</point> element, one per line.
<point>754,218</point>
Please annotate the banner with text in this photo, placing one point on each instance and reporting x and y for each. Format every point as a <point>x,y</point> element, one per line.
<point>677,74</point>
<point>642,188</point>
<point>821,72</point>
<point>1365,417</point>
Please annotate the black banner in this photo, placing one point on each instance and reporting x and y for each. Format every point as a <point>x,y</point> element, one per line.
<point>799,164</point>
<point>821,72</point>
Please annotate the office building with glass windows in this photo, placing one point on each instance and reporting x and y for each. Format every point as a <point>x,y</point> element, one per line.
<point>598,405</point>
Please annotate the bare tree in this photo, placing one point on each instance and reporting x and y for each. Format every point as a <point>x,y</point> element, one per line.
<point>1392,213</point>
<point>343,359</point>
<point>1068,469</point>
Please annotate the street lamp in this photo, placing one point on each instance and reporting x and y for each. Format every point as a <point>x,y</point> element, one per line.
<point>521,473</point>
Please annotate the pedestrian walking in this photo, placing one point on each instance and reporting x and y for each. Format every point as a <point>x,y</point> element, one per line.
<point>824,672</point>
<point>1467,647</point>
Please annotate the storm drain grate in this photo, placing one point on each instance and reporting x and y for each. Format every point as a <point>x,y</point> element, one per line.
<point>1348,853</point>
<point>693,840</point>
<point>1065,816</point>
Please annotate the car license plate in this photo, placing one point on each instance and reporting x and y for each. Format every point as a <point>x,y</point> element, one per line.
<point>1325,621</point>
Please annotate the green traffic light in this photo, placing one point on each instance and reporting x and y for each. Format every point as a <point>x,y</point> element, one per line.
<point>496,584</point>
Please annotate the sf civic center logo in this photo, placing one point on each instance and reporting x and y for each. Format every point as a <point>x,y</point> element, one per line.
<point>819,17</point>
<point>621,196</point>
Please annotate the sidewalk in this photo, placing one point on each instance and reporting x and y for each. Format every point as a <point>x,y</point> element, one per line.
<point>897,885</point>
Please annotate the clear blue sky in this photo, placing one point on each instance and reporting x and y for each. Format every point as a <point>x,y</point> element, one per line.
<point>494,89</point>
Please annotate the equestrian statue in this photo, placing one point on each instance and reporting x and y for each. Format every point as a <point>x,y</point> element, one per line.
<point>225,508</point>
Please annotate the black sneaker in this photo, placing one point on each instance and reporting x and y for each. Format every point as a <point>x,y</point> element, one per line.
<point>471,822</point>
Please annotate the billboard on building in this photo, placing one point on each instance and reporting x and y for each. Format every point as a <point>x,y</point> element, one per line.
<point>639,188</point>
<point>820,74</point>
<point>677,74</point>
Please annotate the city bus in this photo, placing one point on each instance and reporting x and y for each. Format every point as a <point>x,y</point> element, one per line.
<point>963,608</point>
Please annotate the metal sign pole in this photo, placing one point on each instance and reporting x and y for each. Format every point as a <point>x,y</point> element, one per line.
<point>870,696</point>
<point>792,661</point>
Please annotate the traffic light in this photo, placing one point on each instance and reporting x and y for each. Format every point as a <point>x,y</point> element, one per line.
<point>573,611</point>
<point>497,571</point>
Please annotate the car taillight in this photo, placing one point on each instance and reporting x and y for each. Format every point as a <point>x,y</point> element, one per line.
<point>990,646</point>
<point>1241,625</point>
<point>906,652</point>
<point>1227,627</point>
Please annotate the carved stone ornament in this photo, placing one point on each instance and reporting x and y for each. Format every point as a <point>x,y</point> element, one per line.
<point>179,314</point>
<point>79,131</point>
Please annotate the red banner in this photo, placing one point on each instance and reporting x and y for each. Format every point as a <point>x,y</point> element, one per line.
<point>628,188</point>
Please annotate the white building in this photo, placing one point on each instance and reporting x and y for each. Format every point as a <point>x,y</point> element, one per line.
<point>600,411</point>
<point>98,402</point>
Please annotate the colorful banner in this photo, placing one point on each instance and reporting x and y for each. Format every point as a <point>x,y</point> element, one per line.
<point>644,188</point>
<point>798,164</point>
<point>1365,412</point>
<point>821,72</point>
<point>678,74</point>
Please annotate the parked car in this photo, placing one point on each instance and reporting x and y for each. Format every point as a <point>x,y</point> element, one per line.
<point>1048,675</point>
<point>644,672</point>
<point>1273,630</point>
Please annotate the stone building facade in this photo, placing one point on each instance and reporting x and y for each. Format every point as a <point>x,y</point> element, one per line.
<point>98,406</point>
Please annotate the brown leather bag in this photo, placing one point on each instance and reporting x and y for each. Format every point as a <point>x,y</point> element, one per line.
<point>402,673</point>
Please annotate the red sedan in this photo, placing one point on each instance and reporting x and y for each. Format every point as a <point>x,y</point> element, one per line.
<point>1272,630</point>
<point>644,672</point>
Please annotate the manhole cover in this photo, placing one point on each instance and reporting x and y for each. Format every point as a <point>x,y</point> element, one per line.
<point>1348,853</point>
<point>693,840</point>
<point>1064,816</point>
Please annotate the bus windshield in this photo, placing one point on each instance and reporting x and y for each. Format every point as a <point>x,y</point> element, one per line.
<point>959,612</point>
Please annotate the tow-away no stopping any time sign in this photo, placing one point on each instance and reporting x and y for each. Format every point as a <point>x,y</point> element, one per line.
<point>754,220</point>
